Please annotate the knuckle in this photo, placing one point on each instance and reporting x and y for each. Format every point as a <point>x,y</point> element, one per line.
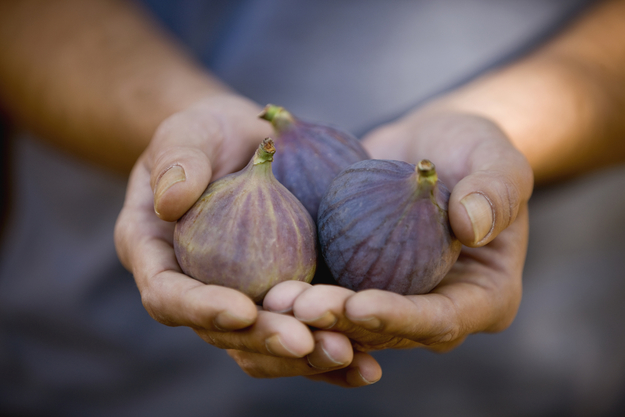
<point>447,347</point>
<point>248,365</point>
<point>198,130</point>
<point>214,339</point>
<point>512,195</point>
<point>505,312</point>
<point>504,321</point>
<point>448,335</point>
<point>121,242</point>
<point>451,334</point>
<point>152,305</point>
<point>506,196</point>
<point>512,190</point>
<point>501,325</point>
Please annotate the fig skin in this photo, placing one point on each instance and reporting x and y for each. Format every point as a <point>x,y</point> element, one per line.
<point>384,224</point>
<point>312,154</point>
<point>247,232</point>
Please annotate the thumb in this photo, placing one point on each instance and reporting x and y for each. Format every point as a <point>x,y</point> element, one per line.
<point>179,159</point>
<point>489,198</point>
<point>181,177</point>
<point>210,139</point>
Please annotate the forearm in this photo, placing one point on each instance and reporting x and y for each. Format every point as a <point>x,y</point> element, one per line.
<point>94,77</point>
<point>564,105</point>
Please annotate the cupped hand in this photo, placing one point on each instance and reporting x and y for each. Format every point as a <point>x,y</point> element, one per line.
<point>491,183</point>
<point>210,139</point>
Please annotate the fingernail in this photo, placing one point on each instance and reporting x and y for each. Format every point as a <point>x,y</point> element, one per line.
<point>275,346</point>
<point>324,321</point>
<point>321,356</point>
<point>172,176</point>
<point>287,310</point>
<point>227,321</point>
<point>365,380</point>
<point>481,215</point>
<point>355,377</point>
<point>370,323</point>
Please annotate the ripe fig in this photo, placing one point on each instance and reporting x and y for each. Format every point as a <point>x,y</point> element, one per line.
<point>312,154</point>
<point>247,232</point>
<point>384,224</point>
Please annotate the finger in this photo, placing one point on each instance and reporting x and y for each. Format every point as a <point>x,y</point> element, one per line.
<point>331,351</point>
<point>364,370</point>
<point>212,138</point>
<point>323,307</point>
<point>258,365</point>
<point>426,319</point>
<point>135,213</point>
<point>443,316</point>
<point>491,180</point>
<point>177,300</point>
<point>272,334</point>
<point>488,200</point>
<point>446,346</point>
<point>180,158</point>
<point>281,297</point>
<point>474,297</point>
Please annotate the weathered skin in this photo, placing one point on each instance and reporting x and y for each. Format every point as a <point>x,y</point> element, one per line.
<point>247,232</point>
<point>312,154</point>
<point>384,224</point>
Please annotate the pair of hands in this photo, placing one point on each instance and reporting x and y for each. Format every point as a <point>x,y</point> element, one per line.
<point>320,331</point>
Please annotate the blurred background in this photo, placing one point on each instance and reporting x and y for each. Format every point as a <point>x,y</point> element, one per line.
<point>75,339</point>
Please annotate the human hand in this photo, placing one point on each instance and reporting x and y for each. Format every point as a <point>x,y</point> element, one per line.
<point>491,183</point>
<point>212,138</point>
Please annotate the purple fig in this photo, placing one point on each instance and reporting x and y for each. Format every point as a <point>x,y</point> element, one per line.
<point>312,154</point>
<point>247,232</point>
<point>384,224</point>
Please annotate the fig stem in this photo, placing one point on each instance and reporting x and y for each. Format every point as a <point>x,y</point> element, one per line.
<point>426,172</point>
<point>279,117</point>
<point>265,152</point>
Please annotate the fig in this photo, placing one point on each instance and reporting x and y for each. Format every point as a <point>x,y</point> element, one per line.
<point>247,232</point>
<point>312,154</point>
<point>384,224</point>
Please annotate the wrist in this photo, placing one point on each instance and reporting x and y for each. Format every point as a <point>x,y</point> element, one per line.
<point>546,107</point>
